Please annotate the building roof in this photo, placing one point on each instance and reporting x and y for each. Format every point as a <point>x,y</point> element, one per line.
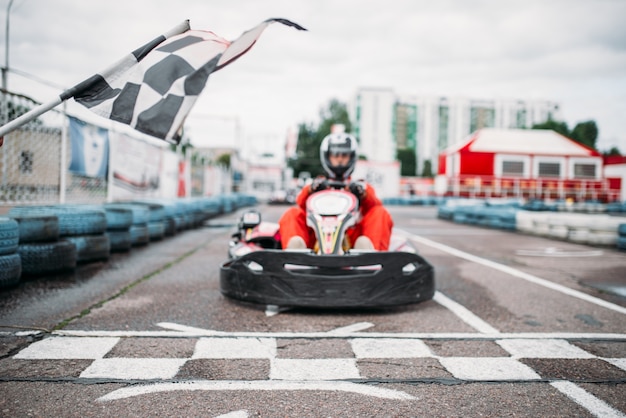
<point>522,141</point>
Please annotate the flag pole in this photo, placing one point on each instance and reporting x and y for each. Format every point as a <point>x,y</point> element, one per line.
<point>28,116</point>
<point>140,52</point>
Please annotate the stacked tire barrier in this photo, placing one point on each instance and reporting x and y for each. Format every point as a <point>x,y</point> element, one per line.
<point>499,214</point>
<point>36,241</point>
<point>595,227</point>
<point>10,262</point>
<point>119,221</point>
<point>41,248</point>
<point>621,236</point>
<point>81,225</point>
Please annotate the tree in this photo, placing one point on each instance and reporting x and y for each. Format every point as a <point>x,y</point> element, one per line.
<point>224,160</point>
<point>585,133</point>
<point>428,169</point>
<point>310,138</point>
<point>408,162</point>
<point>559,127</point>
<point>613,152</point>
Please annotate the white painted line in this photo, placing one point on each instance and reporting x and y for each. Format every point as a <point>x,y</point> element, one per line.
<point>488,368</point>
<point>235,414</point>
<point>617,362</point>
<point>422,335</point>
<point>464,314</point>
<point>349,329</point>
<point>134,368</point>
<point>366,390</point>
<point>27,333</point>
<point>229,348</point>
<point>56,348</point>
<point>187,329</point>
<point>314,369</point>
<point>520,274</point>
<point>389,348</point>
<point>595,406</point>
<point>554,252</point>
<point>554,348</point>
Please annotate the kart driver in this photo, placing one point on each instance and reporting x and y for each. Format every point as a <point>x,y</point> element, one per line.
<point>338,154</point>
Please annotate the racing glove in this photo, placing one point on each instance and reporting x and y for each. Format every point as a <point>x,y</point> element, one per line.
<point>319,183</point>
<point>357,188</point>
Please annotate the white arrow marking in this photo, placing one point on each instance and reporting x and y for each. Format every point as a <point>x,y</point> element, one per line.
<point>366,390</point>
<point>349,329</point>
<point>235,414</point>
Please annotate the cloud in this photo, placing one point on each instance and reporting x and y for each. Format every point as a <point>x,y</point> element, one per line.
<point>569,51</point>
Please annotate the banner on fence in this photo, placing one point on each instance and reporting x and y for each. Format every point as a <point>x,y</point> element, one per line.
<point>168,183</point>
<point>135,166</point>
<point>90,149</point>
<point>383,176</point>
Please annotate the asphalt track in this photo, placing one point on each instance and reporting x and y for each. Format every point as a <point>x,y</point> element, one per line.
<point>520,325</point>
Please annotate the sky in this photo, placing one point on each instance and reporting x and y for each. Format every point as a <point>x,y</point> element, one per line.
<point>572,52</point>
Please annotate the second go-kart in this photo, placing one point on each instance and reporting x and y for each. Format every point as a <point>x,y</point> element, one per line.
<point>329,276</point>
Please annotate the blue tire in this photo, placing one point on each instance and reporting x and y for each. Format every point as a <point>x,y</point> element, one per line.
<point>118,218</point>
<point>91,247</point>
<point>120,241</point>
<point>9,235</point>
<point>51,257</point>
<point>37,228</point>
<point>10,270</point>
<point>73,219</point>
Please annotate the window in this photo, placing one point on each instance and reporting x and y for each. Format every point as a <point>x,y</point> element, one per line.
<point>585,171</point>
<point>512,165</point>
<point>443,127</point>
<point>26,162</point>
<point>512,168</point>
<point>549,169</point>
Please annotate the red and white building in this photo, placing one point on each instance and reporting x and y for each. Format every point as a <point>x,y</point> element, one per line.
<point>523,163</point>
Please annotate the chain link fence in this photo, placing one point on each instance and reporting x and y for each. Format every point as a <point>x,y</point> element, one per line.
<point>34,160</point>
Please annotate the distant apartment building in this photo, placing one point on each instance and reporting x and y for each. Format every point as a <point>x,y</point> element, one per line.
<point>385,121</point>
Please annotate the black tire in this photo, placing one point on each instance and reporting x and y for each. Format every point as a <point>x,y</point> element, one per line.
<point>120,241</point>
<point>91,247</point>
<point>10,270</point>
<point>9,235</point>
<point>37,228</point>
<point>43,258</point>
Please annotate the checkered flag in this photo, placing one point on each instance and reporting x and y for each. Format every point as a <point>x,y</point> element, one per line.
<point>154,88</point>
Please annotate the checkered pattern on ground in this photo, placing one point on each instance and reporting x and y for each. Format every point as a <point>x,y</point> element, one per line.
<point>302,359</point>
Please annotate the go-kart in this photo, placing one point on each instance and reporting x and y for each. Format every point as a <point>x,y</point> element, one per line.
<point>328,276</point>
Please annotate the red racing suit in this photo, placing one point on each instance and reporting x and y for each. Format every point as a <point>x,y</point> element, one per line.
<point>375,223</point>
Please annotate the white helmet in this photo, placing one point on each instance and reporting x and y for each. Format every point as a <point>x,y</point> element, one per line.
<point>334,144</point>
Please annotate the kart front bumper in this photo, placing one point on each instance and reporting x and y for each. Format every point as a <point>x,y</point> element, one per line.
<point>303,279</point>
